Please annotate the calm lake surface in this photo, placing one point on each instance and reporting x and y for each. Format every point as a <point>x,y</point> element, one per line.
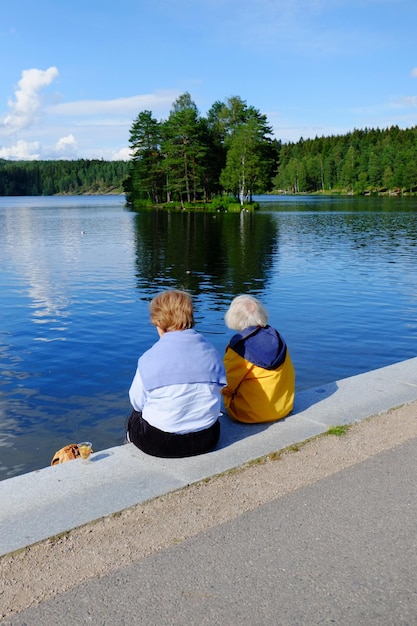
<point>338,276</point>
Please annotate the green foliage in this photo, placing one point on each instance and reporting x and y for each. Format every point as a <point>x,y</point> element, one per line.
<point>247,167</point>
<point>201,157</point>
<point>338,431</point>
<point>47,178</point>
<point>361,162</point>
<point>146,176</point>
<point>222,203</point>
<point>184,147</point>
<point>234,207</point>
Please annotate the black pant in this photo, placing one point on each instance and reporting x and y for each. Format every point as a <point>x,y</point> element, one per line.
<point>170,445</point>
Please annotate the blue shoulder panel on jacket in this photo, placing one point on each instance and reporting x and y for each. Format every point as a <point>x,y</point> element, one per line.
<point>261,345</point>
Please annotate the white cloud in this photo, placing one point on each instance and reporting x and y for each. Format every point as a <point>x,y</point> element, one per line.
<point>160,101</point>
<point>122,155</point>
<point>66,147</point>
<point>26,150</point>
<point>26,107</point>
<point>414,72</point>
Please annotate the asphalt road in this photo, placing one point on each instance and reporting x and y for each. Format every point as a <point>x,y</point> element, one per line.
<point>341,551</point>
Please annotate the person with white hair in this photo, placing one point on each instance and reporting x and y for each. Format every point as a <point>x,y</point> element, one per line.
<point>259,371</point>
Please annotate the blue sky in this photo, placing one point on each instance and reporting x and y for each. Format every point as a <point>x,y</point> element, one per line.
<point>75,74</point>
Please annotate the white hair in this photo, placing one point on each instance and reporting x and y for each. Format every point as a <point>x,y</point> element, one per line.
<point>245,311</point>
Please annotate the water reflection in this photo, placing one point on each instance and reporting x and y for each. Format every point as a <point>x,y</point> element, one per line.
<point>228,254</point>
<point>338,204</point>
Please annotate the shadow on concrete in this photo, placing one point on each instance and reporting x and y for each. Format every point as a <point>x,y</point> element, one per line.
<point>100,456</point>
<point>232,431</point>
<point>308,398</point>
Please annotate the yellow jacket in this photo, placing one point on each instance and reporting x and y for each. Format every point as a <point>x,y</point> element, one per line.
<point>257,394</point>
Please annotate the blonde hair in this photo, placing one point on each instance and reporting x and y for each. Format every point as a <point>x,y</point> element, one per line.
<point>172,310</point>
<point>245,311</point>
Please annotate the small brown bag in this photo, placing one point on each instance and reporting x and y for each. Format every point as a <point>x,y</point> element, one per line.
<point>67,453</point>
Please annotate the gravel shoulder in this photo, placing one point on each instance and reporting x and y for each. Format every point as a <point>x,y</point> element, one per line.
<point>58,564</point>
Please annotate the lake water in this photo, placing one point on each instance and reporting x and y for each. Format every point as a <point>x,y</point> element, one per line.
<point>338,276</point>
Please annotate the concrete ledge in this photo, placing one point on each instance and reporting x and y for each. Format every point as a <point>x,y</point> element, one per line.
<point>53,500</point>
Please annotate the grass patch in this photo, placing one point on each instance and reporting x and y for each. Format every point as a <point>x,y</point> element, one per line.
<point>274,456</point>
<point>338,431</point>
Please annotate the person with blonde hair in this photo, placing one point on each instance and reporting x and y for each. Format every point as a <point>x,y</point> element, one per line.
<point>259,371</point>
<point>176,391</point>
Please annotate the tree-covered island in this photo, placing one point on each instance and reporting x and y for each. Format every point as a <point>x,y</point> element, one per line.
<point>190,160</point>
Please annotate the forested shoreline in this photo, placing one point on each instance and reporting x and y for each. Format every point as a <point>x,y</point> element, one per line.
<point>223,159</point>
<point>369,161</point>
<point>49,178</point>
